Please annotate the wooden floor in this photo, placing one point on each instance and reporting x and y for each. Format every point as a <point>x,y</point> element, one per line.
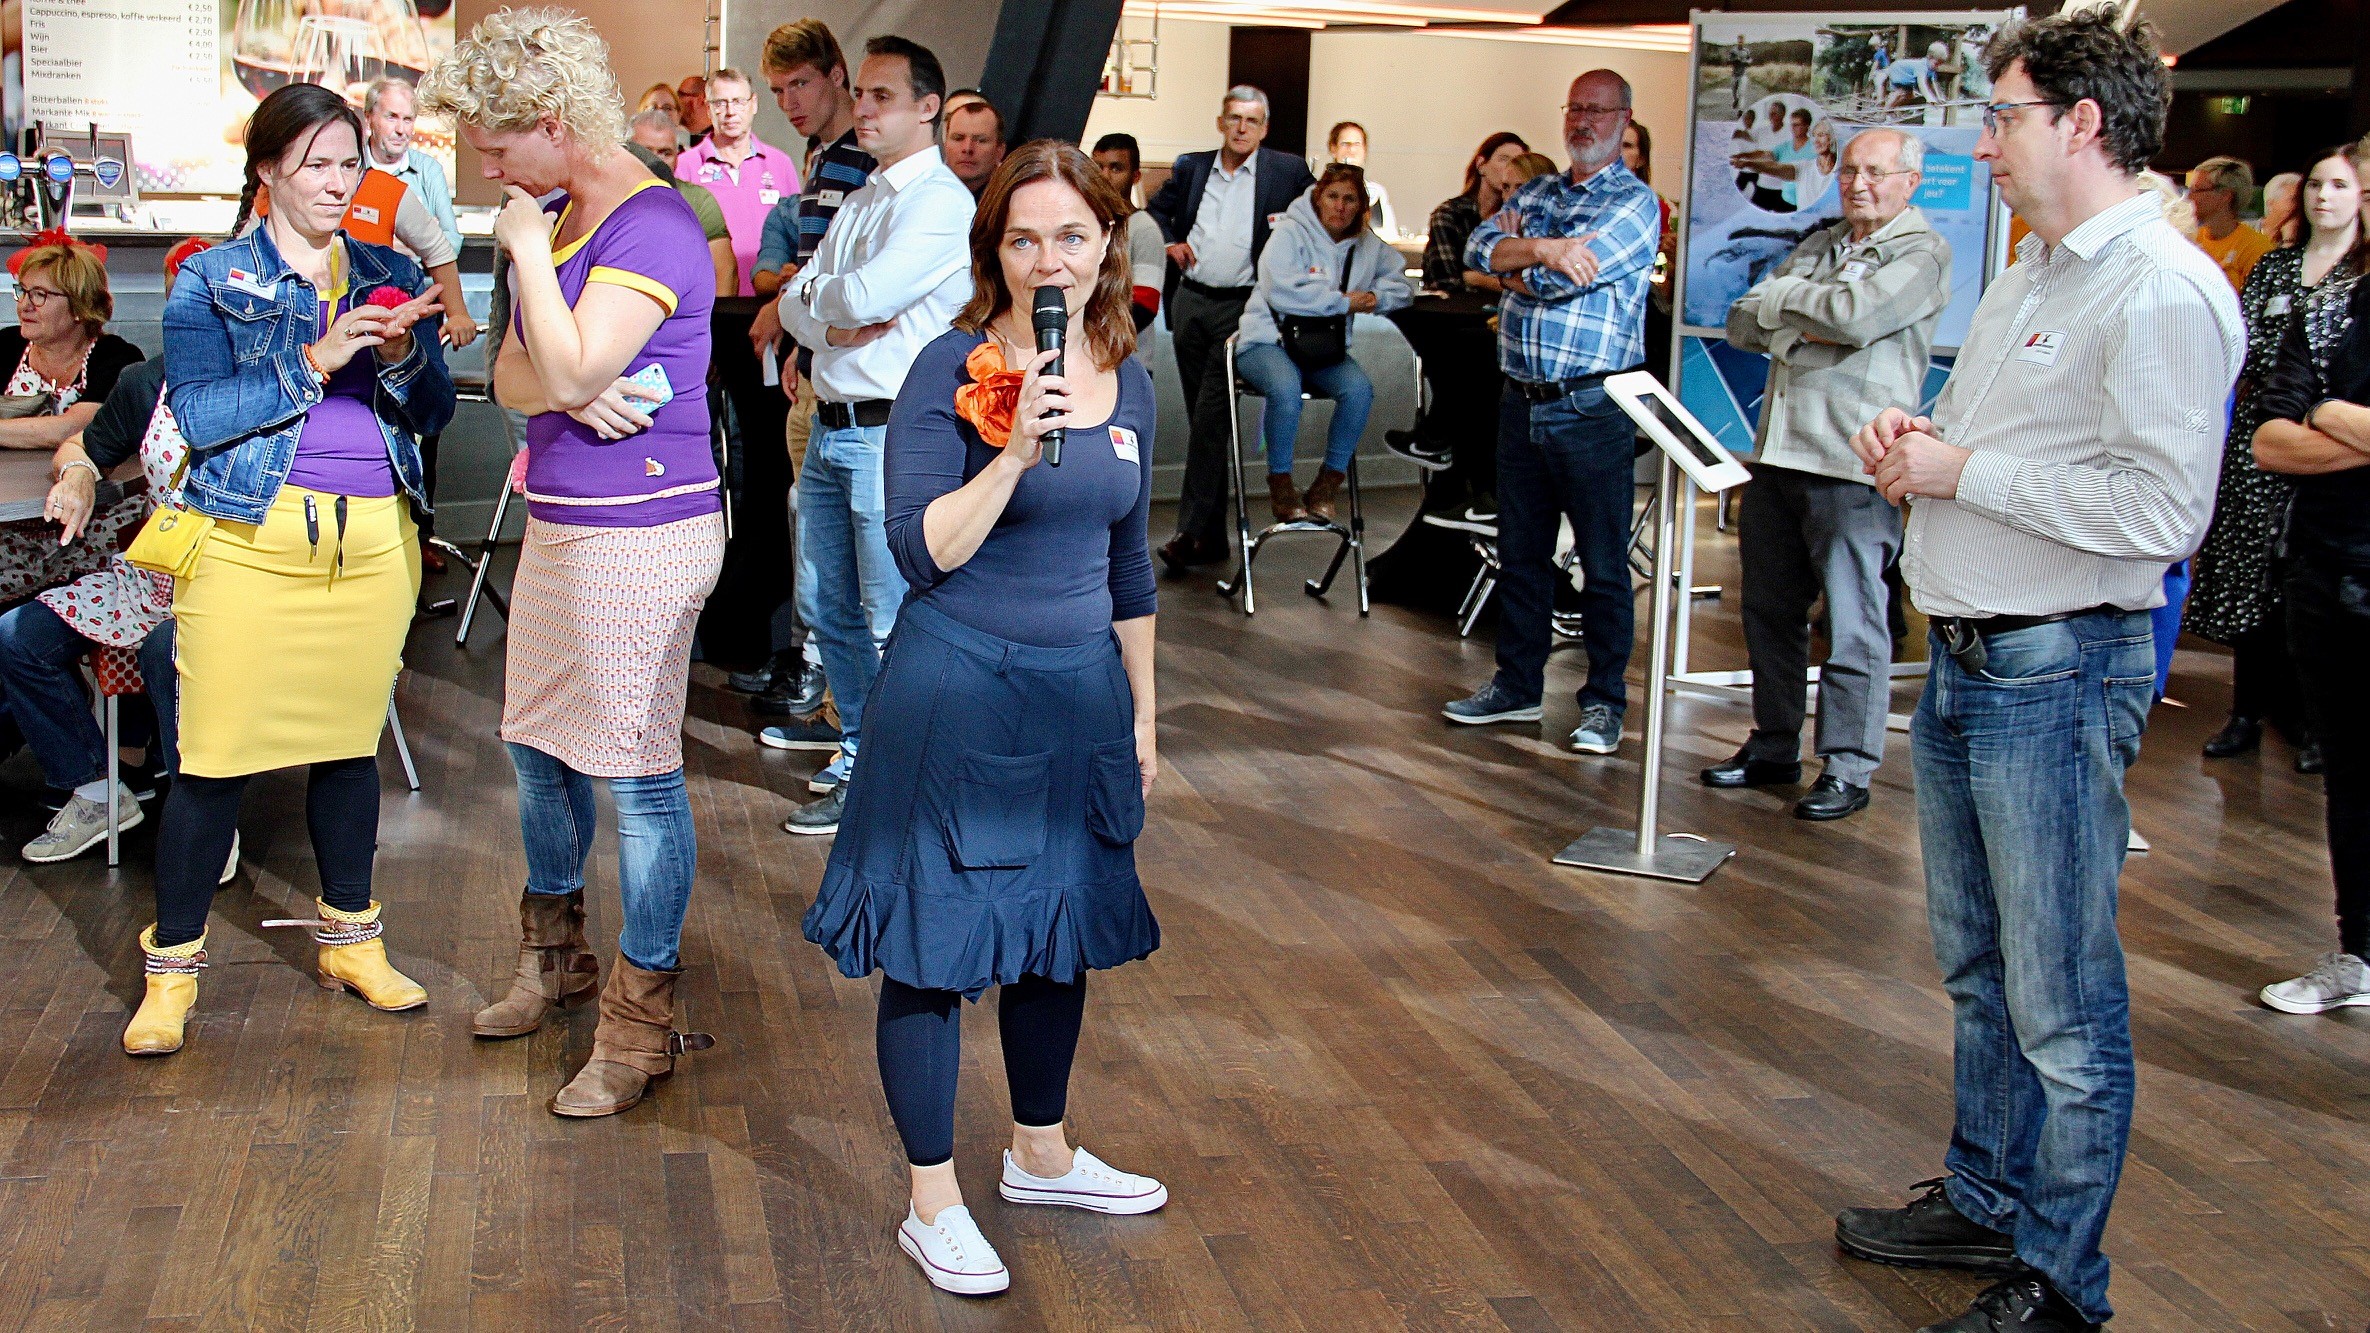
<point>1397,1069</point>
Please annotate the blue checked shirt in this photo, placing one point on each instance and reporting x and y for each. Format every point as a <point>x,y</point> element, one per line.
<point>795,227</point>
<point>1566,330</point>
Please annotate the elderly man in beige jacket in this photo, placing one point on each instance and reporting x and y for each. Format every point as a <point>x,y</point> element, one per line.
<point>1848,323</point>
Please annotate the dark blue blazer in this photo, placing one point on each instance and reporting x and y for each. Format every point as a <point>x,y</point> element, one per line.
<point>1282,178</point>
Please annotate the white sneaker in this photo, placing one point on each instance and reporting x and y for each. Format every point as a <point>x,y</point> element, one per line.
<point>82,825</point>
<point>1090,1185</point>
<point>2337,980</point>
<point>952,1253</point>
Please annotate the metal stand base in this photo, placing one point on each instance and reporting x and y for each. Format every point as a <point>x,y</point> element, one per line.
<point>1683,857</point>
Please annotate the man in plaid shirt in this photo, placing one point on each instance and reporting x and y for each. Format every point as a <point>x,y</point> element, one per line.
<point>1576,253</point>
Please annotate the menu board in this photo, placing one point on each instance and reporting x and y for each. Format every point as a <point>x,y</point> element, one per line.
<point>182,76</point>
<point>128,66</point>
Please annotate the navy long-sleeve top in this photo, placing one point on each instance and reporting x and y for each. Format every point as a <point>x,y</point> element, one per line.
<point>1070,554</point>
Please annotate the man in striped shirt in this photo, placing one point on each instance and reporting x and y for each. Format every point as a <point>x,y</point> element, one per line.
<point>1576,252</point>
<point>2072,456</point>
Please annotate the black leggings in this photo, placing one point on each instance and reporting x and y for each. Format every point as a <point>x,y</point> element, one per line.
<point>202,816</point>
<point>2329,630</point>
<point>920,1043</point>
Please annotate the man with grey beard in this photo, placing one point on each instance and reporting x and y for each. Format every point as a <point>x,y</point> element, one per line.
<point>1576,252</point>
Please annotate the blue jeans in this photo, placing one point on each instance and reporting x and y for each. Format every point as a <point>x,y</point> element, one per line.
<point>848,585</point>
<point>2020,805</point>
<point>1280,381</point>
<point>657,856</point>
<point>1575,457</point>
<point>46,697</point>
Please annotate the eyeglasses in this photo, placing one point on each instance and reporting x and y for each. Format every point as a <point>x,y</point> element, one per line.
<point>1992,110</point>
<point>730,103</point>
<point>37,297</point>
<point>1592,111</point>
<point>1850,174</point>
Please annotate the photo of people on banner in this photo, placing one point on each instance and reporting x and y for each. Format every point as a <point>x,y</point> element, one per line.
<point>1776,99</point>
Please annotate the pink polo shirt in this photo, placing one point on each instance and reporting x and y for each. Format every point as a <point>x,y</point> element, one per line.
<point>764,178</point>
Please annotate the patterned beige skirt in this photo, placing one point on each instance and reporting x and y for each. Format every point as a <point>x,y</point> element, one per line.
<point>601,621</point>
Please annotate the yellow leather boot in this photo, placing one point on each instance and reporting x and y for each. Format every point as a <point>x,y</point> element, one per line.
<point>354,958</point>
<point>172,993</point>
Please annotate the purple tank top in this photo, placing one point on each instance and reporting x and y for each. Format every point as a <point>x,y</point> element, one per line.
<point>342,450</point>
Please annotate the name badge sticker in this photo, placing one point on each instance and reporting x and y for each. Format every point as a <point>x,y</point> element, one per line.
<point>241,280</point>
<point>2040,349</point>
<point>366,213</point>
<point>831,198</point>
<point>1123,443</point>
<point>1854,270</point>
<point>2277,305</point>
<point>769,196</point>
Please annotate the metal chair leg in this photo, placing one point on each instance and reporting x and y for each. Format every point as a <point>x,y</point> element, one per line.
<point>114,781</point>
<point>411,774</point>
<point>481,572</point>
<point>1245,549</point>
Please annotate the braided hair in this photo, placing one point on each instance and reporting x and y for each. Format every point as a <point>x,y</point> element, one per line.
<point>298,111</point>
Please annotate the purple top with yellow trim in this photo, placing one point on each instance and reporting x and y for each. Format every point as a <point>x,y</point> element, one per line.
<point>341,450</point>
<point>653,244</point>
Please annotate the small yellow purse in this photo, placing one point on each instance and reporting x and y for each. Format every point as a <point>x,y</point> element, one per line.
<point>170,540</point>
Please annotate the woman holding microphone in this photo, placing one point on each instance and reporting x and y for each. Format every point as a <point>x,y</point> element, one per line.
<point>302,367</point>
<point>612,290</point>
<point>989,833</point>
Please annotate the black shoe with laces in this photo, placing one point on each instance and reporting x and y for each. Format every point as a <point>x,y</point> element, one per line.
<point>2025,1303</point>
<point>1831,798</point>
<point>1928,1232</point>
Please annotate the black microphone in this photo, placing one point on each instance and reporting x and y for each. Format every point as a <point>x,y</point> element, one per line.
<point>1049,314</point>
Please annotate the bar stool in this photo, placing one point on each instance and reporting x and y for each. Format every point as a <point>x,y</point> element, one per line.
<point>1349,538</point>
<point>481,567</point>
<point>114,673</point>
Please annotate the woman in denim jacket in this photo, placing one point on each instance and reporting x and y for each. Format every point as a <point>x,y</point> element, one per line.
<point>303,368</point>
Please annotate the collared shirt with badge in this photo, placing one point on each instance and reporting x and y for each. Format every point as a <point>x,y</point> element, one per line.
<point>747,190</point>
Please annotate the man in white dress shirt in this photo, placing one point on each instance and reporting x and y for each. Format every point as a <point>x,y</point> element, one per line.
<point>2071,457</point>
<point>893,269</point>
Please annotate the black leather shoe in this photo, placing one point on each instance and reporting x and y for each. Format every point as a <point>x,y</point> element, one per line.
<point>1743,770</point>
<point>2025,1303</point>
<point>1831,798</point>
<point>2237,736</point>
<point>1928,1232</point>
<point>2308,757</point>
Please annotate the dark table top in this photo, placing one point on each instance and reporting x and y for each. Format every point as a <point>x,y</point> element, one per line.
<point>24,484</point>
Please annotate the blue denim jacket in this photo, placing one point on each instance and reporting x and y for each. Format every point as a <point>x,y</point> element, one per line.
<point>236,325</point>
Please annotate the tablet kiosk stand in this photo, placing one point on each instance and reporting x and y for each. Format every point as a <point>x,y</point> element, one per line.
<point>1644,851</point>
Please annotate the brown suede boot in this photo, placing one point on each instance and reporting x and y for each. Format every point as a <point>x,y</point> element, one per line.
<point>1321,492</point>
<point>554,966</point>
<point>635,1044</point>
<point>1283,498</point>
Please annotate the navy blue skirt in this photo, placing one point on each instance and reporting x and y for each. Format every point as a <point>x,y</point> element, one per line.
<point>991,823</point>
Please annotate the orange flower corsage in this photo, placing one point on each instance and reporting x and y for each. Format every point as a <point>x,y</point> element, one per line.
<point>989,400</point>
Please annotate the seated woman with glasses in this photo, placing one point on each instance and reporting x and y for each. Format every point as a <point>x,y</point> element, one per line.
<point>58,364</point>
<point>1321,269</point>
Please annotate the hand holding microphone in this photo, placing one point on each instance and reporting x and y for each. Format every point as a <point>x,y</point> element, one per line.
<point>1049,315</point>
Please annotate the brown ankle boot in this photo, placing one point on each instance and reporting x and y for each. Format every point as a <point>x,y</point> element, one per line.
<point>1321,492</point>
<point>635,1044</point>
<point>1283,499</point>
<point>554,966</point>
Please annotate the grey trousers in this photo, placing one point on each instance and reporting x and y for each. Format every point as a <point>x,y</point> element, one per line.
<point>1803,535</point>
<point>1199,329</point>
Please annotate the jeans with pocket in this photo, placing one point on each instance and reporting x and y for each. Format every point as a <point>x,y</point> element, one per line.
<point>657,855</point>
<point>848,587</point>
<point>2020,805</point>
<point>1280,381</point>
<point>1575,457</point>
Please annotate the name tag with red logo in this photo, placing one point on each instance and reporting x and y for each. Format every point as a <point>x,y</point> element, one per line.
<point>1123,443</point>
<point>2040,349</point>
<point>240,280</point>
<point>365,213</point>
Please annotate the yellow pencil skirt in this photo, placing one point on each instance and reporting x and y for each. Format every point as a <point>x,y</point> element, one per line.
<point>287,654</point>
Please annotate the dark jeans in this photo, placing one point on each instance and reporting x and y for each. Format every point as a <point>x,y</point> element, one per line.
<point>341,810</point>
<point>2021,812</point>
<point>1802,536</point>
<point>1576,458</point>
<point>918,1037</point>
<point>1199,327</point>
<point>426,515</point>
<point>2264,682</point>
<point>759,564</point>
<point>2329,631</point>
<point>39,654</point>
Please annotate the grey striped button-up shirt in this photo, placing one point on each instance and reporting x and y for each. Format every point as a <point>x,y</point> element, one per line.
<point>1849,328</point>
<point>2092,389</point>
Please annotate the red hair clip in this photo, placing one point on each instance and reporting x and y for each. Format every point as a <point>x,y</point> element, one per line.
<point>53,236</point>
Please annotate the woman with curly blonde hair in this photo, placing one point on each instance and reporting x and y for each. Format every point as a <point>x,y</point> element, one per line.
<point>612,288</point>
